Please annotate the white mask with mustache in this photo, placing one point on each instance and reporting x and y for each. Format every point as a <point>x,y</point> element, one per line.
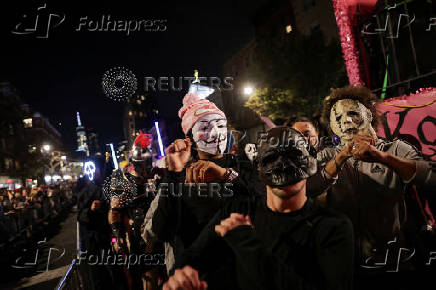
<point>210,134</point>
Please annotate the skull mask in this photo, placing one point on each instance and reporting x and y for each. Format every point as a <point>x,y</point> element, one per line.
<point>284,157</point>
<point>210,134</point>
<point>250,151</point>
<point>350,117</point>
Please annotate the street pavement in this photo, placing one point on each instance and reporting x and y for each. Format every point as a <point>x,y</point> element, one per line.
<point>53,254</point>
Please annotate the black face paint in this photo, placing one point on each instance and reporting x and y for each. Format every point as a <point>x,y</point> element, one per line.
<point>283,157</point>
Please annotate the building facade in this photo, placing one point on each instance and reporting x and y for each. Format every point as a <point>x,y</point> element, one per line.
<point>82,144</point>
<point>140,112</point>
<point>27,141</point>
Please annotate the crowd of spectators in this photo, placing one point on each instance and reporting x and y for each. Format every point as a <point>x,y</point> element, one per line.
<point>21,210</point>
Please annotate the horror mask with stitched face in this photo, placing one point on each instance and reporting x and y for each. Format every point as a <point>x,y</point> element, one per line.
<point>350,117</point>
<point>210,134</point>
<point>283,158</point>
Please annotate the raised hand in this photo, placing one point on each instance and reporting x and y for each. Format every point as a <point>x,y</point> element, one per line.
<point>178,154</point>
<point>204,171</point>
<point>235,220</point>
<point>362,148</point>
<point>186,278</point>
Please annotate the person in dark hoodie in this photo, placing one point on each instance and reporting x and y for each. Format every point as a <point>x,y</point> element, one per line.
<point>281,241</point>
<point>94,230</point>
<point>199,180</point>
<point>128,207</point>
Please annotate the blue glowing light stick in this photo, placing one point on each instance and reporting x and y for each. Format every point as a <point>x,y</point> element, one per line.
<point>114,159</point>
<point>159,139</point>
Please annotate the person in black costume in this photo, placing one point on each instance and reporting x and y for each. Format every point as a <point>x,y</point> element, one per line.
<point>199,180</point>
<point>128,208</point>
<point>94,231</point>
<point>281,241</point>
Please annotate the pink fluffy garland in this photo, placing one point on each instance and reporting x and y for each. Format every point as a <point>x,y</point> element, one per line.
<point>348,43</point>
<point>418,93</point>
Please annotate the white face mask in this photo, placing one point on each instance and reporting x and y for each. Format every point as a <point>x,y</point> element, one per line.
<point>251,151</point>
<point>350,117</point>
<point>210,134</point>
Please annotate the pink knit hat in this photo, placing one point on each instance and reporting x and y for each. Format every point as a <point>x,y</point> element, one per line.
<point>195,107</point>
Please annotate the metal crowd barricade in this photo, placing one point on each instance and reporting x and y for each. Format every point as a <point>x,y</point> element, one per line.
<point>73,278</point>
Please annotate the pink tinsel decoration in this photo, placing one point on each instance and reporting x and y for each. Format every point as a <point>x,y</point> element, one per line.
<point>351,54</point>
<point>413,97</point>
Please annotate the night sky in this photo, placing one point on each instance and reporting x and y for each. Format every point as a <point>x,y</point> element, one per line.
<point>62,74</point>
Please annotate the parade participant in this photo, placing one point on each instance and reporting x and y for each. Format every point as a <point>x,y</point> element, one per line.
<point>183,208</point>
<point>127,210</point>
<point>94,230</point>
<point>306,127</point>
<point>310,131</point>
<point>247,169</point>
<point>281,241</point>
<point>372,173</point>
<point>250,151</point>
<point>91,209</point>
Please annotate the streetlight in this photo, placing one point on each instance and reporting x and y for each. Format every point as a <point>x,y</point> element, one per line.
<point>248,90</point>
<point>46,147</point>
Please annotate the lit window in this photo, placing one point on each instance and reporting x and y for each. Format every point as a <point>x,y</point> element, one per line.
<point>140,114</point>
<point>288,28</point>
<point>8,163</point>
<point>138,102</point>
<point>142,98</point>
<point>130,113</point>
<point>27,123</point>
